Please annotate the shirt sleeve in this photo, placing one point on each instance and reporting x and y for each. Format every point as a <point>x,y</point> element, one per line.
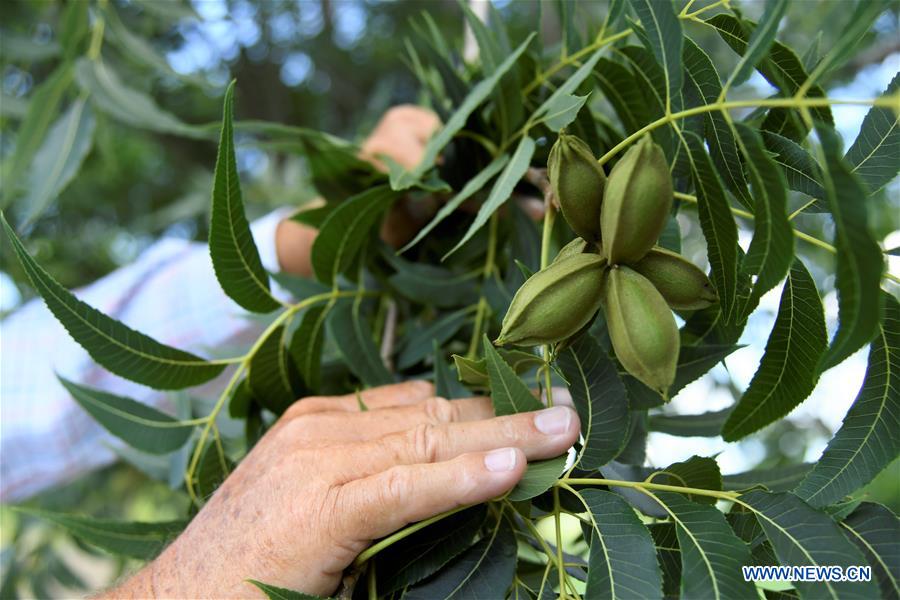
<point>169,293</point>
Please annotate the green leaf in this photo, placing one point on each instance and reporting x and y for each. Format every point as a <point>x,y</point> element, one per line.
<point>474,372</point>
<point>503,188</point>
<point>569,86</point>
<point>277,593</point>
<point>457,121</point>
<point>472,186</point>
<point>717,224</point>
<point>699,472</point>
<point>875,155</point>
<point>509,394</point>
<point>485,570</point>
<point>800,169</point>
<point>782,68</point>
<point>622,91</point>
<point>666,40</point>
<point>129,105</point>
<point>241,400</point>
<point>760,41</point>
<point>74,28</point>
<point>858,24</point>
<point>867,441</point>
<point>234,254</point>
<point>142,541</point>
<point>665,538</point>
<point>59,158</point>
<point>270,376</point>
<point>428,284</point>
<point>707,424</point>
<point>211,471</point>
<point>600,400</point>
<point>563,111</point>
<point>875,530</point>
<point>300,288</point>
<point>700,73</point>
<point>420,343</point>
<point>139,425</point>
<point>651,80</point>
<point>352,333</point>
<point>420,555</point>
<point>346,230</point>
<point>802,536</point>
<point>445,384</point>
<point>772,248</point>
<point>118,348</point>
<point>859,259</point>
<point>776,479</point>
<point>538,478</point>
<point>172,12</point>
<point>491,51</point>
<point>693,362</point>
<point>622,561</point>
<point>139,50</point>
<point>787,373</point>
<point>42,109</point>
<point>711,554</point>
<point>306,346</point>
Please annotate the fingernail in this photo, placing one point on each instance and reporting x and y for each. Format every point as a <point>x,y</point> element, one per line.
<point>500,460</point>
<point>553,421</point>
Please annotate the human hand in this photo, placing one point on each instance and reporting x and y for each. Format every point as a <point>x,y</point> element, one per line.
<point>328,479</point>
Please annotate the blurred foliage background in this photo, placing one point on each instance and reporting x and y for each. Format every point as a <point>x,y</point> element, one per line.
<point>330,65</point>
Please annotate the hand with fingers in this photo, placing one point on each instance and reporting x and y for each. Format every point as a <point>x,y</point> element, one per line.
<point>328,479</point>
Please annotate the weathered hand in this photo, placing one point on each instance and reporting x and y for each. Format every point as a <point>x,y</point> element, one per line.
<point>328,479</point>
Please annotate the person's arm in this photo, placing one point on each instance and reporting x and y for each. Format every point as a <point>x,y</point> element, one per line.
<point>328,479</point>
<point>170,293</point>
